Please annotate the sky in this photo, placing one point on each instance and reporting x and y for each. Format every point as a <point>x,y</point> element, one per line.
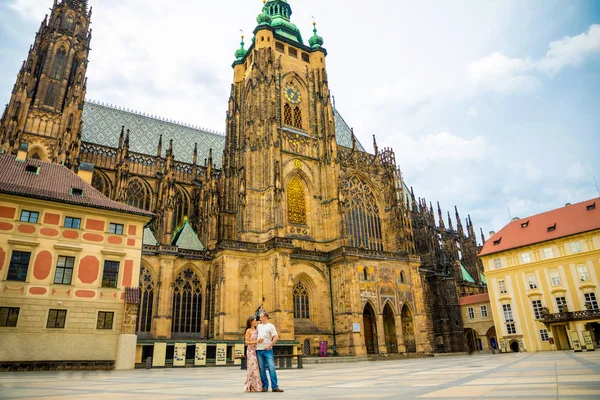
<point>490,105</point>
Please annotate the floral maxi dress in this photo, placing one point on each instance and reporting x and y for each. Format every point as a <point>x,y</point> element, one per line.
<point>253,382</point>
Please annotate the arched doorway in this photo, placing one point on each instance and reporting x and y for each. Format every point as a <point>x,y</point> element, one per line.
<point>369,322</point>
<point>389,327</point>
<point>514,346</point>
<point>491,338</point>
<point>306,348</point>
<point>408,330</point>
<point>471,340</point>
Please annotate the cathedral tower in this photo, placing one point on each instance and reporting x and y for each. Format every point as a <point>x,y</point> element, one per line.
<point>47,99</point>
<point>280,132</point>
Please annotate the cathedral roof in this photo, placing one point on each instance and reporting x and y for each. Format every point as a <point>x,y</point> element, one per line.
<point>54,182</point>
<point>186,238</point>
<point>102,125</point>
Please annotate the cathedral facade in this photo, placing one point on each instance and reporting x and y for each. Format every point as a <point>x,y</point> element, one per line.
<point>287,210</point>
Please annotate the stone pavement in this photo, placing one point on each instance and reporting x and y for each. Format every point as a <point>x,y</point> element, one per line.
<point>551,375</point>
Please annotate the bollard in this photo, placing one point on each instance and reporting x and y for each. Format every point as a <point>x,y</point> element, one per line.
<point>149,363</point>
<point>300,366</point>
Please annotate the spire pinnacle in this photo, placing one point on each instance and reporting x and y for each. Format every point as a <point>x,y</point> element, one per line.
<point>315,41</point>
<point>241,52</point>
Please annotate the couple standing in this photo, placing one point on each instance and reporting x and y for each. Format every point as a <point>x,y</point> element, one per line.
<point>260,339</point>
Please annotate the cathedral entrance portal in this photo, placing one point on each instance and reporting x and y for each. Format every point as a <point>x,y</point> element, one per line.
<point>408,330</point>
<point>370,329</point>
<point>389,326</point>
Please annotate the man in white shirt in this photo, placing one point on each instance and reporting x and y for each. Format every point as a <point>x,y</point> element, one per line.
<point>264,353</point>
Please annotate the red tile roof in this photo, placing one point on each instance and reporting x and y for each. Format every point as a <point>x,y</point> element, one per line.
<point>54,182</point>
<point>476,298</point>
<point>562,222</point>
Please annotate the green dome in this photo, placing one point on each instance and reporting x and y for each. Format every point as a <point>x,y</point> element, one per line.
<point>277,13</point>
<point>315,41</point>
<point>241,52</point>
<point>264,19</point>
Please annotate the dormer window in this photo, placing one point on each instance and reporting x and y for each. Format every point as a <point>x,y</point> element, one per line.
<point>77,192</point>
<point>34,169</point>
<point>525,224</point>
<point>591,207</point>
<point>497,242</point>
<point>552,228</point>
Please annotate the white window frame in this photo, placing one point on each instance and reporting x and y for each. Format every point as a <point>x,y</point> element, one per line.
<point>575,247</point>
<point>531,282</point>
<point>502,286</point>
<point>548,253</point>
<point>484,311</point>
<point>583,272</point>
<point>544,335</point>
<point>561,301</point>
<point>525,258</point>
<point>555,277</point>
<point>508,315</point>
<point>497,263</point>
<point>537,308</point>
<point>590,298</point>
<point>511,328</point>
<point>471,312</point>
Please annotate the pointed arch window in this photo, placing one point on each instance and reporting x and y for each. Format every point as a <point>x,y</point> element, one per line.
<point>50,98</point>
<point>301,305</point>
<point>296,201</point>
<point>181,207</point>
<point>287,114</point>
<point>58,67</point>
<point>144,320</point>
<point>101,183</point>
<point>187,303</point>
<point>138,195</point>
<point>69,22</point>
<point>297,118</point>
<point>361,215</point>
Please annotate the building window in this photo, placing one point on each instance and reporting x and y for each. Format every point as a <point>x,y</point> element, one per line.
<point>575,247</point>
<point>187,303</point>
<point>51,91</point>
<point>301,301</point>
<point>72,222</point>
<point>58,66</point>
<point>544,335</point>
<point>297,118</point>
<point>287,114</point>
<point>144,319</point>
<point>69,22</point>
<point>502,287</point>
<point>584,274</point>
<point>19,264</point>
<point>484,312</point>
<point>497,263</point>
<point>9,316</point>
<point>138,194</point>
<point>531,282</point>
<point>537,308</point>
<point>29,216</point>
<point>555,277</point>
<point>56,319</point>
<point>105,320</point>
<point>402,277</point>
<point>361,215</point>
<point>117,229</point>
<point>508,315</point>
<point>590,301</point>
<point>525,258</point>
<point>293,52</point>
<point>548,253</point>
<point>305,57</point>
<point>471,312</point>
<point>511,329</point>
<point>561,304</point>
<point>279,47</point>
<point>296,201</point>
<point>64,270</point>
<point>110,274</point>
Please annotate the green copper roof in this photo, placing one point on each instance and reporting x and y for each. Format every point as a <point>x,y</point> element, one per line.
<point>465,275</point>
<point>148,238</point>
<point>315,41</point>
<point>482,277</point>
<point>186,238</point>
<point>241,52</point>
<point>279,13</point>
<point>102,125</point>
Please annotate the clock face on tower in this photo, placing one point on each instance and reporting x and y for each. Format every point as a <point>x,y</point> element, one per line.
<point>292,94</point>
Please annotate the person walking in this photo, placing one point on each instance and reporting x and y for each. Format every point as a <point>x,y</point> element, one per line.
<point>264,352</point>
<point>253,382</point>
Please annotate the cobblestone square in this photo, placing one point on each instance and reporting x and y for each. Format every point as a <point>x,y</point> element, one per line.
<point>546,375</point>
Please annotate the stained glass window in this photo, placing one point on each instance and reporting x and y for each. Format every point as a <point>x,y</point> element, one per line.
<point>50,98</point>
<point>301,301</point>
<point>296,201</point>
<point>361,215</point>
<point>187,303</point>
<point>144,320</point>
<point>101,183</point>
<point>137,195</point>
<point>297,118</point>
<point>58,67</point>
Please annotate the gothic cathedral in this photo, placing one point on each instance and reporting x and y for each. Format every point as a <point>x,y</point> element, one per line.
<point>286,210</point>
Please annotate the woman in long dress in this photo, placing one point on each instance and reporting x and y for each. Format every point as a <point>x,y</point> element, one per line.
<point>253,382</point>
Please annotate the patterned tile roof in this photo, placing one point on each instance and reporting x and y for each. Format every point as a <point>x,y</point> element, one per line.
<point>54,182</point>
<point>102,125</point>
<point>149,239</point>
<point>186,238</point>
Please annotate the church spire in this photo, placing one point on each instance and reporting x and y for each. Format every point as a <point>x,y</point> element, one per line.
<point>276,14</point>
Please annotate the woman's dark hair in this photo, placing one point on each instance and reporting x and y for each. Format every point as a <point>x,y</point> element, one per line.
<point>249,322</point>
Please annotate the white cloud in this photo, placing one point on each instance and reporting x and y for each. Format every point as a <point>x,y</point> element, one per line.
<point>571,51</point>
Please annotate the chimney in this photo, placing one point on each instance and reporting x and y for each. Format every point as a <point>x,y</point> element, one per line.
<point>492,233</point>
<point>515,218</point>
<point>22,152</point>
<point>85,172</point>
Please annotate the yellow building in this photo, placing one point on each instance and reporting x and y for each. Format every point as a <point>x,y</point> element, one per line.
<point>69,269</point>
<point>480,333</point>
<point>542,274</point>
